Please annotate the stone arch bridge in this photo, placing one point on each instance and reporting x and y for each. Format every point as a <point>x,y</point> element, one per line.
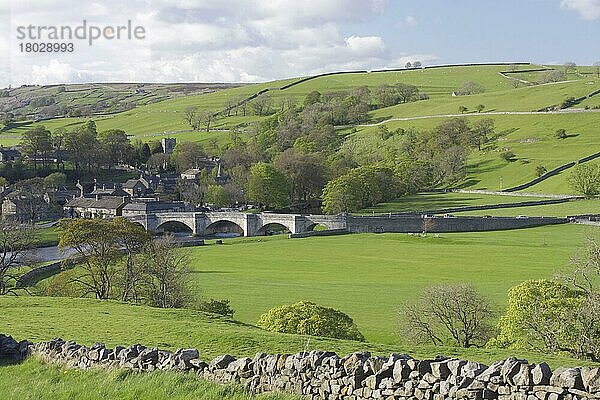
<point>246,224</point>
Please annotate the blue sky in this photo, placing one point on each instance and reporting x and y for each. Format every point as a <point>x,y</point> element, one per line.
<point>259,40</point>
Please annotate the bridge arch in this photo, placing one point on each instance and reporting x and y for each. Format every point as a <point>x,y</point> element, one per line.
<point>317,226</point>
<point>223,226</point>
<point>273,228</point>
<point>174,226</point>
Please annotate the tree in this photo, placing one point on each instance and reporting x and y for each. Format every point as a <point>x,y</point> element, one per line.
<point>131,238</point>
<point>462,109</point>
<point>190,116</point>
<point>262,104</point>
<point>96,250</point>
<point>116,146</point>
<point>508,155</point>
<point>217,196</point>
<point>551,76</point>
<point>417,64</point>
<point>37,144</point>
<point>480,108</point>
<point>469,88</point>
<point>560,134</point>
<point>168,273</point>
<point>597,65</point>
<point>408,65</point>
<point>448,314</point>
<point>313,97</point>
<point>481,132</point>
<point>570,66</point>
<point>306,172</point>
<point>540,170</point>
<point>585,179</point>
<point>268,187</point>
<point>561,315</point>
<point>205,119</point>
<point>188,155</point>
<point>83,146</point>
<point>359,188</point>
<point>55,180</point>
<point>307,318</point>
<point>15,240</point>
<point>533,316</point>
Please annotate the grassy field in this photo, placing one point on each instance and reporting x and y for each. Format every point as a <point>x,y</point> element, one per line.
<point>531,138</point>
<point>437,201</point>
<point>550,210</point>
<point>34,380</point>
<point>88,321</point>
<point>368,276</point>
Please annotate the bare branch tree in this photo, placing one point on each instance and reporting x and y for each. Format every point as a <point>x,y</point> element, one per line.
<point>448,314</point>
<point>15,239</point>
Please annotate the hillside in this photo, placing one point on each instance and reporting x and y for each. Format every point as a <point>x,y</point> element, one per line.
<point>520,128</point>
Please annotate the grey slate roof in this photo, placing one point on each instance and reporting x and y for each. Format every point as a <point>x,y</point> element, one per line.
<point>107,203</point>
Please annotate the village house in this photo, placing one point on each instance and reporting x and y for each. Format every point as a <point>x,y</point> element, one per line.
<point>149,207</point>
<point>95,207</point>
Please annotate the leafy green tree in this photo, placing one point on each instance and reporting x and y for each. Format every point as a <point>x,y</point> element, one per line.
<point>306,171</point>
<point>220,307</point>
<point>480,108</point>
<point>307,318</point>
<point>535,316</point>
<point>540,170</point>
<point>55,180</point>
<point>312,98</point>
<point>94,245</point>
<point>361,187</point>
<point>37,144</point>
<point>188,155</point>
<point>462,109</point>
<point>116,146</point>
<point>83,146</point>
<point>216,195</point>
<point>585,179</point>
<point>268,187</point>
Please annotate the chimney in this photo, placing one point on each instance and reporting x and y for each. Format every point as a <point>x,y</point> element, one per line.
<point>98,197</point>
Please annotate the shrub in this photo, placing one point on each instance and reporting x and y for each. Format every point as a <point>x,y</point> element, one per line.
<point>220,307</point>
<point>508,155</point>
<point>560,134</point>
<point>306,318</point>
<point>540,170</point>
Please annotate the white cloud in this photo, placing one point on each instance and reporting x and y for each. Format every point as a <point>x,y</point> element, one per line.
<point>54,71</point>
<point>200,40</point>
<point>587,9</point>
<point>411,20</point>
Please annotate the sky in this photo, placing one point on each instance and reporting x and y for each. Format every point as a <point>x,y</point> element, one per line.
<point>262,40</point>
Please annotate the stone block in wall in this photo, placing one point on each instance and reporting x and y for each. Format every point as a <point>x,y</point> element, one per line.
<point>591,379</point>
<point>569,378</point>
<point>540,374</point>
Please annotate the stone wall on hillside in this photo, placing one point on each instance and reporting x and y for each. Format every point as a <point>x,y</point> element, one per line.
<point>408,223</point>
<point>325,375</point>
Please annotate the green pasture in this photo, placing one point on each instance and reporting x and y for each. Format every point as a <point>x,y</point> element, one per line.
<point>88,321</point>
<point>578,207</point>
<point>34,379</point>
<point>531,138</point>
<point>437,201</point>
<point>369,276</point>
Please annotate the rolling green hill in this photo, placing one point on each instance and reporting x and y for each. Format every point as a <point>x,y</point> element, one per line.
<point>527,133</point>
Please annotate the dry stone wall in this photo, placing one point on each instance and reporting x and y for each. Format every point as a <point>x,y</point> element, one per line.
<point>325,375</point>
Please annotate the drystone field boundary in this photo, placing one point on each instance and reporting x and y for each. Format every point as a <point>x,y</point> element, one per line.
<point>325,375</point>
